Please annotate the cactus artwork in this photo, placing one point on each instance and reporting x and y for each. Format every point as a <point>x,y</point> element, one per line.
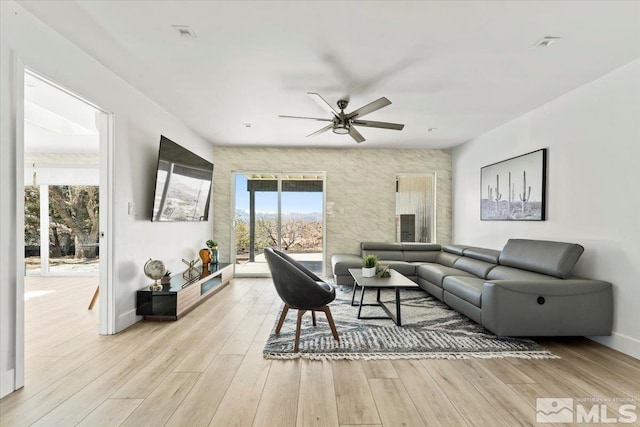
<point>498,195</point>
<point>514,189</point>
<point>524,196</point>
<point>510,198</point>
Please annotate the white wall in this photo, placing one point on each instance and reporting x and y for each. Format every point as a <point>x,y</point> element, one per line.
<point>593,137</point>
<point>138,125</point>
<point>360,189</point>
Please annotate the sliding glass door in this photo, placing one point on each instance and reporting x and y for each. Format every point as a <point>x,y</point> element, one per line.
<point>279,210</point>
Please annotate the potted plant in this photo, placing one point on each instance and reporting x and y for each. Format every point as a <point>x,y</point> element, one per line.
<point>369,263</point>
<point>213,247</point>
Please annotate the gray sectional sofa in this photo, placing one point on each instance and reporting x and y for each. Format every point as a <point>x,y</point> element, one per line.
<point>524,290</point>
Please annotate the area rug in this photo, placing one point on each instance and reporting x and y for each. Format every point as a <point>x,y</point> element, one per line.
<point>430,330</point>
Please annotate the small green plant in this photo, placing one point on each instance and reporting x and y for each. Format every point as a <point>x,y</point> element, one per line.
<point>369,261</point>
<point>211,244</point>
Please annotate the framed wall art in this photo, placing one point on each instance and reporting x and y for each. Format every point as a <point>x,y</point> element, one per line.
<point>514,189</point>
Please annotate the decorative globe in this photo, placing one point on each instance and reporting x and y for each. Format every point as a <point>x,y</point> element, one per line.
<point>155,269</point>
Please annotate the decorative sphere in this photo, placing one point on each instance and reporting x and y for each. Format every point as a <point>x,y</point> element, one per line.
<point>155,269</point>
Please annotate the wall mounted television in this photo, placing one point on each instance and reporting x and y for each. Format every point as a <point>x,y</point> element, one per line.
<point>183,184</point>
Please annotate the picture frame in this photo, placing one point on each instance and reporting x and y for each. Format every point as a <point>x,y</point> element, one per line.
<point>515,189</point>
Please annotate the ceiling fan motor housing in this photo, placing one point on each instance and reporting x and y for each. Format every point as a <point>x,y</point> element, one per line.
<point>341,125</point>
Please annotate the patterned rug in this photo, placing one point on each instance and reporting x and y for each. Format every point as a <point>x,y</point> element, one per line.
<point>430,329</point>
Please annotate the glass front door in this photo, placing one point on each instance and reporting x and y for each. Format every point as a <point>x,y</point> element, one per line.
<point>279,210</point>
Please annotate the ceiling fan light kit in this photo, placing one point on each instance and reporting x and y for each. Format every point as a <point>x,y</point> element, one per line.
<point>343,123</point>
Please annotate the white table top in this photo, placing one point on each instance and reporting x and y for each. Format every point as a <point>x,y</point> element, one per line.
<point>396,280</point>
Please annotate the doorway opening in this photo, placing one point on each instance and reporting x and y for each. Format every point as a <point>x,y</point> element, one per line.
<point>284,210</point>
<point>65,139</point>
<point>416,207</point>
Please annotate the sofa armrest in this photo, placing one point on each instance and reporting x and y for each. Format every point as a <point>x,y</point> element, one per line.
<point>341,263</point>
<point>555,307</point>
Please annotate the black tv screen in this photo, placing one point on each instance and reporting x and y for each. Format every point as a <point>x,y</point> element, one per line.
<point>183,184</point>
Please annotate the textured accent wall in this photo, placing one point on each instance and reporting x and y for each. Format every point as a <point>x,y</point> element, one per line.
<point>360,189</point>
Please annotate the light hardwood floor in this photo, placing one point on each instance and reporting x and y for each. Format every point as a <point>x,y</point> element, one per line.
<point>207,369</point>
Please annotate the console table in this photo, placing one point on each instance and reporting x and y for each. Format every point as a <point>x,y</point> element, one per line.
<point>183,292</point>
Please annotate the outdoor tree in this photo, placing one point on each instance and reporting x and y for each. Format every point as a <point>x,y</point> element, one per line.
<point>32,215</point>
<point>76,208</point>
<point>242,233</point>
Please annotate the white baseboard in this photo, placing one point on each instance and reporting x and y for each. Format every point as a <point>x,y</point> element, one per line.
<point>127,319</point>
<point>622,343</point>
<point>7,382</point>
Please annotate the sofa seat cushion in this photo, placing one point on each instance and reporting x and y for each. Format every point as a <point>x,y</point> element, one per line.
<point>435,273</point>
<point>502,272</point>
<point>465,288</point>
<point>404,268</point>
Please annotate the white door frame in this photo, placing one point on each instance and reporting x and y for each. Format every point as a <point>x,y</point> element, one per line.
<point>105,123</point>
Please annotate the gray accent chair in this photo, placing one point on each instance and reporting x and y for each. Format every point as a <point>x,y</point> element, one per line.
<point>299,289</point>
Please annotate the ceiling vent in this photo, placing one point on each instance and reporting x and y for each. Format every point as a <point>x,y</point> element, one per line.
<point>184,31</point>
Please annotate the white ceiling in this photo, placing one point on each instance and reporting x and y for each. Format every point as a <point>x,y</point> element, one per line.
<point>462,67</point>
<point>59,128</point>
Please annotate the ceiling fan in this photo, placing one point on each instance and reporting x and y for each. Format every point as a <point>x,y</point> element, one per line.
<point>344,123</point>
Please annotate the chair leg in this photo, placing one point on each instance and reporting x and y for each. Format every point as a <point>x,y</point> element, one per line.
<point>313,316</point>
<point>95,297</point>
<point>332,325</point>
<point>282,316</point>
<point>297,342</point>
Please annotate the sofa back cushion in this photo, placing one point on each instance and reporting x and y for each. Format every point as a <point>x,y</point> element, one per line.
<point>552,258</point>
<point>420,252</point>
<point>482,254</point>
<point>421,256</point>
<point>476,267</point>
<point>446,258</point>
<point>383,250</point>
<point>454,249</point>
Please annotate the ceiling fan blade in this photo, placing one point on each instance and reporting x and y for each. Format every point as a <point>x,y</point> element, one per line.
<point>356,135</point>
<point>369,108</point>
<point>322,103</point>
<point>382,125</point>
<point>318,132</point>
<point>307,118</point>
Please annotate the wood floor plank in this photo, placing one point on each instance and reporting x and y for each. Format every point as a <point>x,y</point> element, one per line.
<point>379,369</point>
<point>434,407</point>
<point>150,359</point>
<point>394,404</point>
<point>353,395</point>
<point>317,405</point>
<point>279,401</point>
<point>239,404</point>
<point>132,360</point>
<point>200,405</point>
<point>470,403</point>
<point>509,405</point>
<point>506,372</point>
<point>112,412</point>
<point>159,406</point>
<point>242,339</point>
